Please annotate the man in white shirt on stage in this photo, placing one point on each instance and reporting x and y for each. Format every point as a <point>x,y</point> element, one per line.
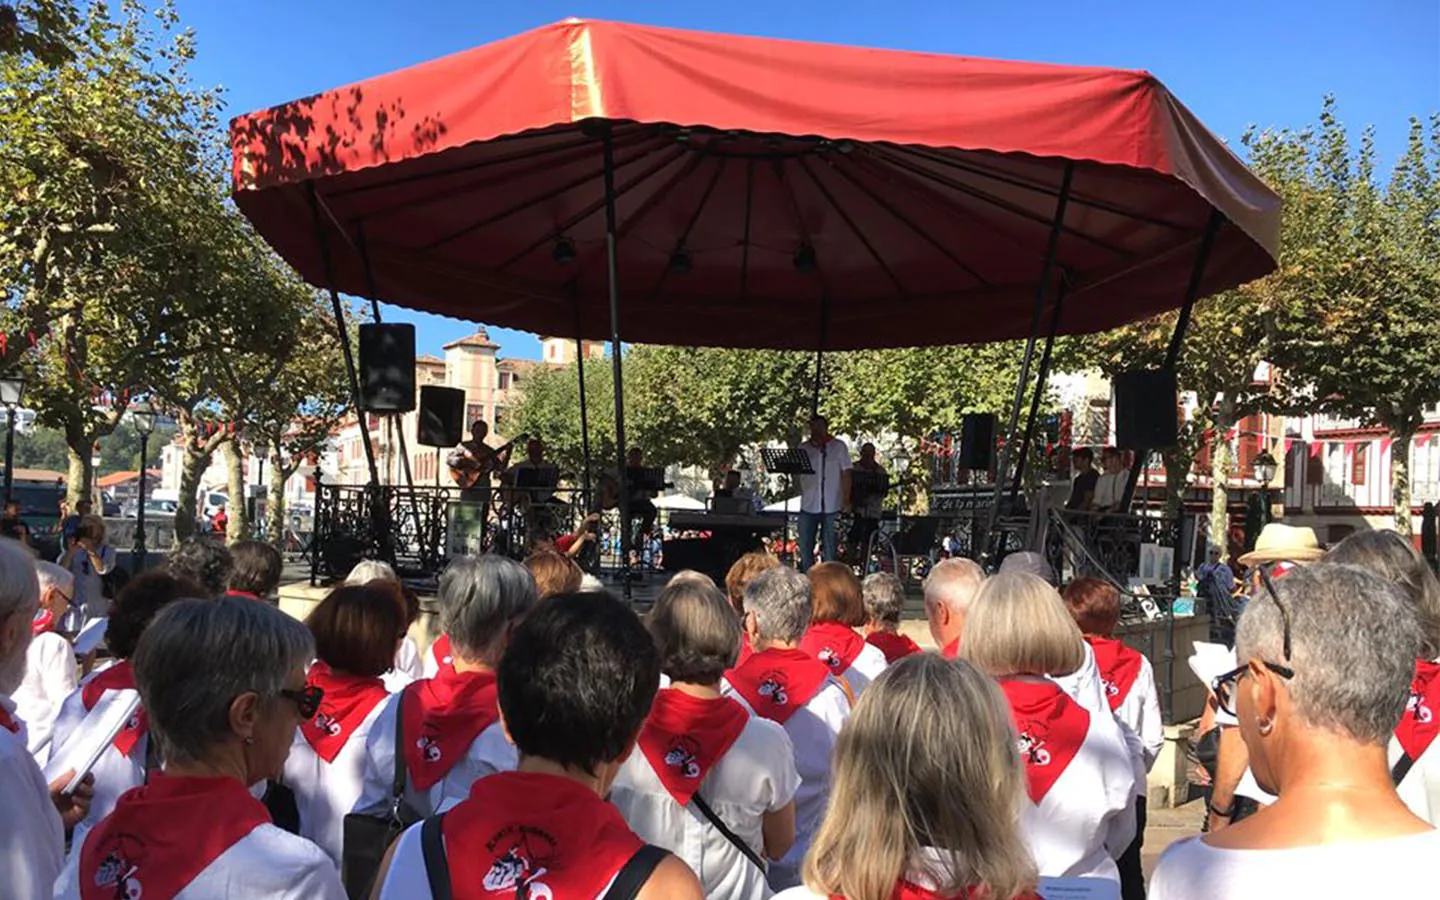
<point>824,493</point>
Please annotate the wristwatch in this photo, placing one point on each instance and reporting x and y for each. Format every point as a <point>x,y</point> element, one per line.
<point>1222,813</point>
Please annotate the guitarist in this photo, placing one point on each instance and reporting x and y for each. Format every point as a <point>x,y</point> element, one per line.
<point>474,461</point>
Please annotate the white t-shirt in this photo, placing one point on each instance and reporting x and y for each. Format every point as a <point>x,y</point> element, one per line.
<point>1086,688</point>
<point>489,752</point>
<point>812,730</point>
<point>756,776</point>
<point>32,840</point>
<point>828,462</point>
<point>408,666</point>
<point>1085,821</point>
<point>326,792</point>
<point>1109,490</point>
<point>1402,867</point>
<point>115,772</point>
<point>267,862</point>
<point>865,668</point>
<point>49,679</point>
<point>1140,712</point>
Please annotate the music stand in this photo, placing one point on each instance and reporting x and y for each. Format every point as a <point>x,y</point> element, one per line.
<point>865,483</point>
<point>644,478</point>
<point>789,461</point>
<point>532,478</point>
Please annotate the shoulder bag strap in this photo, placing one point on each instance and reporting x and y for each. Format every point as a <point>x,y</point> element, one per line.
<point>437,867</point>
<point>397,782</point>
<point>636,871</point>
<point>1401,769</point>
<point>725,832</point>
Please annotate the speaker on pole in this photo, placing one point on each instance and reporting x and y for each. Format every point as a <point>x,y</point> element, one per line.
<point>442,416</point>
<point>977,441</point>
<point>1147,415</point>
<point>387,367</point>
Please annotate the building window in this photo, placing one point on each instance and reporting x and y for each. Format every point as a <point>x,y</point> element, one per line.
<point>1425,472</point>
<point>499,419</point>
<point>504,381</point>
<point>1357,464</point>
<point>515,379</point>
<point>474,412</point>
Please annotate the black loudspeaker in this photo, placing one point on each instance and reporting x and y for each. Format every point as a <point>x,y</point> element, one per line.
<point>442,416</point>
<point>1147,415</point>
<point>977,441</point>
<point>387,367</point>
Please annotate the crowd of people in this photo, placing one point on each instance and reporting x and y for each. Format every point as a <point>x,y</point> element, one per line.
<point>777,735</point>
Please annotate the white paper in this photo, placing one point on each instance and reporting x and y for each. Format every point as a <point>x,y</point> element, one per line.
<point>1078,889</point>
<point>91,635</point>
<point>1210,661</point>
<point>90,739</point>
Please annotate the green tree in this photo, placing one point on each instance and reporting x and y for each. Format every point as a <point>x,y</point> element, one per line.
<point>550,410</point>
<point>41,448</point>
<point>40,29</point>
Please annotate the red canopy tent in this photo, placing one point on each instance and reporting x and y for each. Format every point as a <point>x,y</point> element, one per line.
<point>703,189</point>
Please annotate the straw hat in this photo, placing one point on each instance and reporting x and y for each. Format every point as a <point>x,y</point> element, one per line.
<point>1284,543</point>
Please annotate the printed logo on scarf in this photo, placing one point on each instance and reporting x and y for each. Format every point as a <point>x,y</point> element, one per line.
<point>683,756</point>
<point>527,859</point>
<point>327,724</point>
<point>119,873</point>
<point>1417,707</point>
<point>1032,746</point>
<point>429,748</point>
<point>773,688</point>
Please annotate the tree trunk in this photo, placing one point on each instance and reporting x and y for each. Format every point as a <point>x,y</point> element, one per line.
<point>197,460</point>
<point>1222,465</point>
<point>237,516</point>
<point>1400,478</point>
<point>275,501</point>
<point>81,478</point>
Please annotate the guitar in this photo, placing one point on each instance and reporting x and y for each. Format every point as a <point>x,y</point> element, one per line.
<point>467,471</point>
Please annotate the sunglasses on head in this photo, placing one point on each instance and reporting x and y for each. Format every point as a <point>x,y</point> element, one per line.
<point>306,699</point>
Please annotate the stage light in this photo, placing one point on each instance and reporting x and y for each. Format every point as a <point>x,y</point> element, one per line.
<point>564,252</point>
<point>805,258</point>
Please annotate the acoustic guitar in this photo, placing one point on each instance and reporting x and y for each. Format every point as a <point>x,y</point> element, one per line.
<point>467,471</point>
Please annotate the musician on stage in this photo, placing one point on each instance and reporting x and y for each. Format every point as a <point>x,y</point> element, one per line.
<point>474,461</point>
<point>824,493</point>
<point>536,499</point>
<point>731,487</point>
<point>866,502</point>
<point>642,502</point>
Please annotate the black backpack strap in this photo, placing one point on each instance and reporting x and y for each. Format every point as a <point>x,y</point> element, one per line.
<point>1401,769</point>
<point>725,831</point>
<point>397,780</point>
<point>636,871</point>
<point>437,867</point>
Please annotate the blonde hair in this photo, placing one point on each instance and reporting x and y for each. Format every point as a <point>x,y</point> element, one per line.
<point>1018,625</point>
<point>928,759</point>
<point>368,570</point>
<point>554,573</point>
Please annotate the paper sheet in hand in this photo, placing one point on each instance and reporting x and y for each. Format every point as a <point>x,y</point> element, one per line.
<point>91,635</point>
<point>1078,889</point>
<point>1210,661</point>
<point>88,741</point>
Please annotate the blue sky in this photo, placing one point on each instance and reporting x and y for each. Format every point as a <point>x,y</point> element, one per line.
<point>1261,62</point>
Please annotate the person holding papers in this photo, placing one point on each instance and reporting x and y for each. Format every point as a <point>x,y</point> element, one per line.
<point>50,661</point>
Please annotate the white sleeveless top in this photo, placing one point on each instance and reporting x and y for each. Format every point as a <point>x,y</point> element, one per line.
<point>325,792</point>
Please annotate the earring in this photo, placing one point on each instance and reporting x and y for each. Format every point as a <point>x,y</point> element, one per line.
<point>249,740</point>
<point>1265,726</point>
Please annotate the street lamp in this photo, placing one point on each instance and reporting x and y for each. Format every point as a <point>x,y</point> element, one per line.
<point>143,418</point>
<point>12,389</point>
<point>1265,467</point>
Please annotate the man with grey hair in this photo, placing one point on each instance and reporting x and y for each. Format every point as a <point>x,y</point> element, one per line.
<point>455,715</point>
<point>49,663</point>
<point>949,589</point>
<point>32,832</point>
<point>784,684</point>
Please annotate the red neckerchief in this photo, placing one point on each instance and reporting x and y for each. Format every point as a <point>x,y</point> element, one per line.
<point>894,646</point>
<point>443,716</point>
<point>1420,725</point>
<point>1051,728</point>
<point>684,737</point>
<point>777,683</point>
<point>348,700</point>
<point>444,657</point>
<point>904,890</point>
<point>528,834</point>
<point>1119,666</point>
<point>7,722</point>
<point>119,677</point>
<point>163,834</point>
<point>833,644</point>
<point>951,650</point>
<point>243,595</point>
<point>44,620</point>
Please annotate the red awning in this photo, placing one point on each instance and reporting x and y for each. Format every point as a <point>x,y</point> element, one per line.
<point>770,193</point>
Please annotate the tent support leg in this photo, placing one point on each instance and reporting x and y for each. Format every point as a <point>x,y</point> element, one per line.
<point>1177,337</point>
<point>1041,381</point>
<point>612,271</point>
<point>584,414</point>
<point>820,354</point>
<point>1022,380</point>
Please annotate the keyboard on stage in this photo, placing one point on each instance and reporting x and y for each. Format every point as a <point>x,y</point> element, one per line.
<point>698,521</point>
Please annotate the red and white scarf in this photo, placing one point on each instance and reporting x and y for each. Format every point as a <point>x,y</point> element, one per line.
<point>444,656</point>
<point>684,737</point>
<point>119,677</point>
<point>1119,667</point>
<point>833,644</point>
<point>527,834</point>
<point>44,621</point>
<point>778,683</point>
<point>1051,727</point>
<point>443,716</point>
<point>893,645</point>
<point>1420,725</point>
<point>348,700</point>
<point>747,650</point>
<point>951,650</point>
<point>163,834</point>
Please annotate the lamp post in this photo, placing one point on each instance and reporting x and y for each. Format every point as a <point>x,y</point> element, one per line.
<point>12,389</point>
<point>144,419</point>
<point>900,459</point>
<point>1265,468</point>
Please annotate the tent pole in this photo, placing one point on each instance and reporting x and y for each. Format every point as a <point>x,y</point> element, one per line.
<point>1041,381</point>
<point>612,266</point>
<point>584,414</point>
<point>1052,246</point>
<point>820,352</point>
<point>1177,337</point>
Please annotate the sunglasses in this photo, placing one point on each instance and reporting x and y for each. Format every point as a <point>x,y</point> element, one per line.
<point>1225,685</point>
<point>306,699</point>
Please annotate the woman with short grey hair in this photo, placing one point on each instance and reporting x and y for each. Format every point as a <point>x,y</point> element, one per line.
<point>223,685</point>
<point>884,597</point>
<point>451,723</point>
<point>1328,656</point>
<point>784,684</point>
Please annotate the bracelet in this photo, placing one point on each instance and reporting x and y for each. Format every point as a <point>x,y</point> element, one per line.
<point>1222,813</point>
